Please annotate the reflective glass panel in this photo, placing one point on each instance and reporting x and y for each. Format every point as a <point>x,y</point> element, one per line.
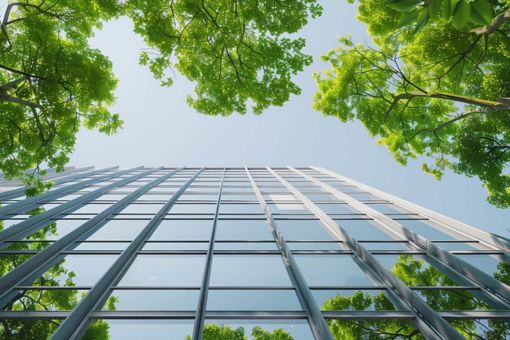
<point>119,230</point>
<point>373,329</point>
<point>414,270</point>
<point>363,230</point>
<point>252,300</point>
<point>76,270</point>
<point>248,329</point>
<point>161,300</point>
<point>165,270</point>
<point>183,230</point>
<point>250,230</point>
<point>425,229</point>
<point>46,300</point>
<point>133,329</point>
<point>352,300</point>
<point>332,270</point>
<point>248,270</point>
<point>303,230</point>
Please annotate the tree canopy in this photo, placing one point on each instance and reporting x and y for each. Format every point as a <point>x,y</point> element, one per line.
<point>433,84</point>
<point>239,55</point>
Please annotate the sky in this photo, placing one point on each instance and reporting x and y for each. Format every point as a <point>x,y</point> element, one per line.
<point>160,129</point>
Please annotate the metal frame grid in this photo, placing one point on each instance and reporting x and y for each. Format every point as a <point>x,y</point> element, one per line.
<point>91,202</point>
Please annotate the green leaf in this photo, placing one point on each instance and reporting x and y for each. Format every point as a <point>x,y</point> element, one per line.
<point>481,12</point>
<point>408,17</point>
<point>422,20</point>
<point>461,14</point>
<point>448,7</point>
<point>404,5</point>
<point>435,8</point>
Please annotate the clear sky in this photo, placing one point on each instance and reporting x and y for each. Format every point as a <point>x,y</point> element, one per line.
<point>160,129</point>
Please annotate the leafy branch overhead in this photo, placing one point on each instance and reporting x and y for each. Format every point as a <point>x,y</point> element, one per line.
<point>52,81</point>
<point>437,87</point>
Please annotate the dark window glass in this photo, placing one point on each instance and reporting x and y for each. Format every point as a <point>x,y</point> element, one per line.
<point>250,230</point>
<point>161,300</point>
<point>252,300</point>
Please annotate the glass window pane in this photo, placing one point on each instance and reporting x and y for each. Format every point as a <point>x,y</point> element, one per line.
<point>426,229</point>
<point>490,329</point>
<point>76,270</point>
<point>245,246</point>
<point>176,246</point>
<point>249,230</point>
<point>363,230</point>
<point>27,329</point>
<point>241,209</point>
<point>165,270</point>
<point>101,245</point>
<point>332,270</point>
<point>183,230</point>
<point>10,261</point>
<point>56,230</point>
<point>248,270</point>
<point>46,300</point>
<point>316,246</point>
<point>454,299</point>
<point>135,208</point>
<point>119,230</point>
<point>491,264</point>
<point>303,230</point>
<point>161,300</point>
<point>385,245</point>
<point>373,329</point>
<point>337,209</point>
<point>193,209</point>
<point>133,329</point>
<point>414,270</point>
<point>389,208</point>
<point>252,300</point>
<point>352,300</point>
<point>246,329</point>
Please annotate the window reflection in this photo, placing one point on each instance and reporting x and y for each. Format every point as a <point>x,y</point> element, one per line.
<point>373,329</point>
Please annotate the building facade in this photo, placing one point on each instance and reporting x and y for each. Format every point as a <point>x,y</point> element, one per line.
<point>241,253</point>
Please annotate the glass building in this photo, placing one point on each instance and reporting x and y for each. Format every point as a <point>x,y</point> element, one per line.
<point>241,253</point>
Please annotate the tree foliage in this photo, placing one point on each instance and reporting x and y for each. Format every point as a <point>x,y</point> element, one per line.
<point>414,273</point>
<point>51,81</point>
<point>237,53</point>
<point>430,86</point>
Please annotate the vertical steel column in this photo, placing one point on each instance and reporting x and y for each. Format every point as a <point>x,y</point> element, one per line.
<point>487,282</point>
<point>50,195</point>
<point>494,240</point>
<point>40,221</point>
<point>425,316</point>
<point>21,191</point>
<point>318,323</point>
<point>75,324</point>
<point>29,267</point>
<point>198,329</point>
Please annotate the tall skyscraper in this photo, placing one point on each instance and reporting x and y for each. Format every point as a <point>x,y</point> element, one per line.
<point>241,253</point>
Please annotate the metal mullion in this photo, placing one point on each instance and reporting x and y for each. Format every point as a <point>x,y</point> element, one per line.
<point>427,320</point>
<point>62,179</point>
<point>49,172</point>
<point>318,325</point>
<point>198,328</point>
<point>76,322</point>
<point>488,283</point>
<point>30,268</point>
<point>489,238</point>
<point>59,192</point>
<point>40,221</point>
<point>368,315</point>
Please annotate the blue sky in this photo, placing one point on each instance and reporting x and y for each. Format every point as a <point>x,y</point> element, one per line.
<point>160,129</point>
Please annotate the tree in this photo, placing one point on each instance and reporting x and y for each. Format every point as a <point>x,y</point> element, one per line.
<point>47,299</point>
<point>434,85</point>
<point>414,273</point>
<point>236,52</point>
<point>51,82</point>
<point>224,332</point>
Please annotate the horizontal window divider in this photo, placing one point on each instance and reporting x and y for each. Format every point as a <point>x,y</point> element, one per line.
<point>476,315</point>
<point>52,287</point>
<point>379,287</point>
<point>153,288</point>
<point>172,252</point>
<point>367,315</point>
<point>445,288</point>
